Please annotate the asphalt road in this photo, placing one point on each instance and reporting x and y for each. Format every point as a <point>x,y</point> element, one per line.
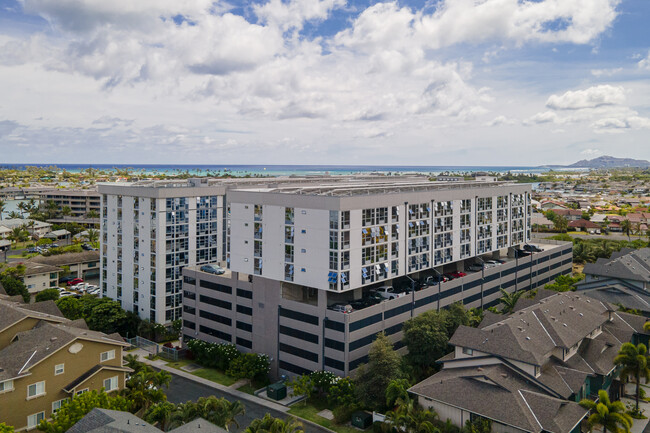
<point>181,390</point>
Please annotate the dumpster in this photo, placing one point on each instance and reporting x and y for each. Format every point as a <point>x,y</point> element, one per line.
<point>276,391</point>
<point>362,419</point>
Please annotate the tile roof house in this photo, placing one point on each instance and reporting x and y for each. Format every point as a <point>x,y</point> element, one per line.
<point>569,214</point>
<point>584,225</point>
<point>527,371</point>
<point>46,359</point>
<point>627,265</point>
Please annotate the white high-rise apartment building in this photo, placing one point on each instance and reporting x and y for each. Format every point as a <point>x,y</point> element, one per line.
<point>149,232</point>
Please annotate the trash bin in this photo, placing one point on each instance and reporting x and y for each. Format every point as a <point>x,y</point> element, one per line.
<point>362,419</point>
<point>276,391</point>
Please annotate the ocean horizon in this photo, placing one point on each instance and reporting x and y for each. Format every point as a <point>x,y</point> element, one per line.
<point>280,170</point>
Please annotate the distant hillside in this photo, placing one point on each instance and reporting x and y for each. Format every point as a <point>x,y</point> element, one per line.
<point>610,162</point>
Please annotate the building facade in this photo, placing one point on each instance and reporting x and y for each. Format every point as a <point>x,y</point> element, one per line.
<point>294,252</point>
<point>80,201</point>
<point>149,232</point>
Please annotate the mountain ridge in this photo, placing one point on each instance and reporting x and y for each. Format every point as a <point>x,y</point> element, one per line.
<point>610,162</point>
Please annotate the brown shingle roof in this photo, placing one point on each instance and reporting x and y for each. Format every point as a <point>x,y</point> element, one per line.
<point>67,258</point>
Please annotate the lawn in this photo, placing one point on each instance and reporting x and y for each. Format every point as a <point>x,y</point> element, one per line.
<point>309,411</point>
<point>206,373</point>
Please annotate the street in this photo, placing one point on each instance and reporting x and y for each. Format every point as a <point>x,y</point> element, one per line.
<point>181,390</point>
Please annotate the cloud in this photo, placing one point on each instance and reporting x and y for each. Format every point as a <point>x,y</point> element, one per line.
<point>545,117</point>
<point>645,62</point>
<point>591,153</point>
<point>592,97</point>
<point>500,120</point>
<point>605,72</point>
<point>293,13</point>
<point>7,127</point>
<point>112,122</point>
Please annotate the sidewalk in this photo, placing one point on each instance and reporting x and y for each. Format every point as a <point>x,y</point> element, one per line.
<point>142,356</point>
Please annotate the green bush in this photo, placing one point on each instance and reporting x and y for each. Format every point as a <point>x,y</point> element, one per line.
<point>343,414</point>
<point>47,295</point>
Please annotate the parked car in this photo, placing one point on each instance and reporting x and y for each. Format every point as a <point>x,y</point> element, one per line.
<point>213,269</point>
<point>434,279</point>
<point>74,281</point>
<point>93,291</point>
<point>66,279</point>
<point>341,308</point>
<point>54,245</point>
<point>454,275</point>
<point>33,250</point>
<point>475,267</point>
<point>492,263</point>
<point>388,292</point>
<point>532,248</point>
<point>87,247</point>
<point>521,253</point>
<point>65,293</point>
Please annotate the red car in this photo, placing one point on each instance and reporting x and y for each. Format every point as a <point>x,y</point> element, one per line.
<point>455,274</point>
<point>75,281</point>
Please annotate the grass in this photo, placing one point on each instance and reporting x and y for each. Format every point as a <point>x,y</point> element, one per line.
<point>248,389</point>
<point>211,374</point>
<point>309,411</point>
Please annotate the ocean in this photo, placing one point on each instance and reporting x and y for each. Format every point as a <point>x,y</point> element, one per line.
<point>281,170</point>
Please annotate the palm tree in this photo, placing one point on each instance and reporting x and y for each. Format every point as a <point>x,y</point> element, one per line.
<point>626,227</point>
<point>634,361</point>
<point>408,417</point>
<point>3,204</point>
<point>509,300</point>
<point>92,235</point>
<point>15,215</point>
<point>220,411</point>
<point>18,234</point>
<point>161,413</point>
<point>133,363</point>
<point>269,424</point>
<point>611,416</point>
<point>66,211</point>
<point>92,214</point>
<point>144,389</point>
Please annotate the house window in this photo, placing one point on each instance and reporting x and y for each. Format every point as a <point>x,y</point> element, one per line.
<point>56,405</point>
<point>7,385</point>
<point>468,351</point>
<point>34,420</point>
<point>82,391</point>
<point>59,369</point>
<point>110,384</point>
<point>107,356</point>
<point>36,389</point>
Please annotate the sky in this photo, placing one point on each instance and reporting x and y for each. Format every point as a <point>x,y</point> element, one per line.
<point>437,82</point>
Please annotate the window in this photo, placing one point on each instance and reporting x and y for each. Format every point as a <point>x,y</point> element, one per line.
<point>7,385</point>
<point>36,389</point>
<point>468,351</point>
<point>34,420</point>
<point>110,384</point>
<point>56,405</point>
<point>59,369</point>
<point>107,356</point>
<point>81,391</point>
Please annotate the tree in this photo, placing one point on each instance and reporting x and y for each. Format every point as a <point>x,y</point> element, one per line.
<point>161,413</point>
<point>626,227</point>
<point>18,234</point>
<point>3,205</point>
<point>427,340</point>
<point>408,417</point>
<point>611,416</point>
<point>92,214</point>
<point>564,283</point>
<point>144,388</point>
<point>15,215</point>
<point>92,235</point>
<point>107,316</point>
<point>342,393</point>
<point>373,378</point>
<point>47,295</point>
<point>561,224</point>
<point>14,286</point>
<point>66,211</point>
<point>4,428</point>
<point>509,300</point>
<point>219,411</point>
<point>70,307</point>
<point>396,392</point>
<point>72,411</point>
<point>269,424</point>
<point>634,362</point>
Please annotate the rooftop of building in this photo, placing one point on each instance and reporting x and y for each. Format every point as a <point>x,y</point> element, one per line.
<point>113,421</point>
<point>31,347</point>
<point>627,264</point>
<point>503,394</point>
<point>66,259</point>
<point>13,312</point>
<point>358,186</point>
<point>19,222</point>
<point>35,268</point>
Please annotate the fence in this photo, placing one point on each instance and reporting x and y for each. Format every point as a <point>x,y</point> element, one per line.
<point>172,353</point>
<point>144,344</point>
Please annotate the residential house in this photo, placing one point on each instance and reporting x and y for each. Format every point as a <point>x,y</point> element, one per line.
<point>82,265</point>
<point>39,276</point>
<point>569,214</point>
<point>527,371</point>
<point>585,226</point>
<point>42,367</point>
<point>538,219</point>
<point>34,227</point>
<point>105,420</point>
<point>553,205</point>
